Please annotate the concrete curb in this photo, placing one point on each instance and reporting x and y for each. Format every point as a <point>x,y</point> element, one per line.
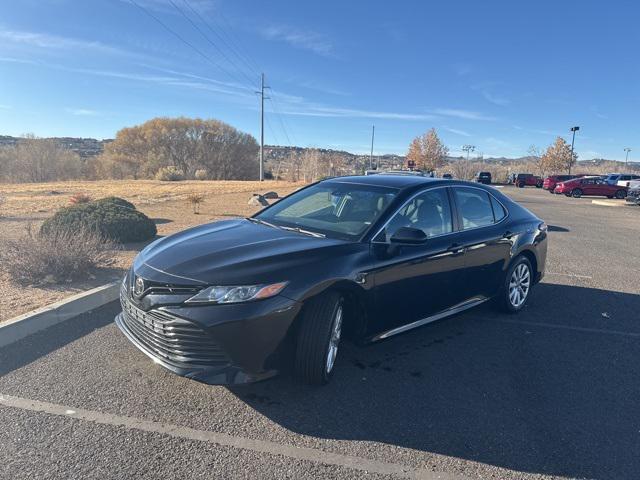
<point>609,203</point>
<point>24,325</point>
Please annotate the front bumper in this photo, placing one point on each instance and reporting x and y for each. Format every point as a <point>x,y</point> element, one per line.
<point>214,344</point>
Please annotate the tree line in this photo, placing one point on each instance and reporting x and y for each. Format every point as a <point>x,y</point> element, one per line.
<point>195,148</point>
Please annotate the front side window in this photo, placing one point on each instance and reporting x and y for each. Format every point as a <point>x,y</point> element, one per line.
<point>429,211</point>
<point>474,206</point>
<point>341,210</point>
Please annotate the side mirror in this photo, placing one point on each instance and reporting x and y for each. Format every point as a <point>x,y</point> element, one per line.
<point>409,235</point>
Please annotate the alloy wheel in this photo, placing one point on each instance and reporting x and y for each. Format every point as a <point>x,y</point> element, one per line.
<point>519,285</point>
<point>334,340</point>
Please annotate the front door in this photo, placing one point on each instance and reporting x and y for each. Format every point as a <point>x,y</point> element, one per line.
<point>413,282</point>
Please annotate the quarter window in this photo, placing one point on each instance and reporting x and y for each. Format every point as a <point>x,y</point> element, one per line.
<point>474,206</point>
<point>498,210</point>
<point>429,211</point>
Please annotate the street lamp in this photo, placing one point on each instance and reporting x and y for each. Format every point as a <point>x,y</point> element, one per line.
<point>626,160</point>
<point>573,139</point>
<point>468,148</point>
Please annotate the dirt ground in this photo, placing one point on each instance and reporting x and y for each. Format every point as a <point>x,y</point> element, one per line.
<point>164,202</point>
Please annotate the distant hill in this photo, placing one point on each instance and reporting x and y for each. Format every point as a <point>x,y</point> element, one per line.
<point>85,147</point>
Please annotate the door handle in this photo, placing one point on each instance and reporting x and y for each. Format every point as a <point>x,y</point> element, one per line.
<point>456,249</point>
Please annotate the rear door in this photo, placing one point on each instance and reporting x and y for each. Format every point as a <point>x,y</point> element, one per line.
<point>485,238</point>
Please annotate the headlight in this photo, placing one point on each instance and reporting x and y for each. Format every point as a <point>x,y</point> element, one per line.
<point>237,294</point>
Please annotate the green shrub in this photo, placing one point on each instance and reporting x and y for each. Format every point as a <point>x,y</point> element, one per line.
<point>117,201</point>
<point>169,174</point>
<point>108,219</point>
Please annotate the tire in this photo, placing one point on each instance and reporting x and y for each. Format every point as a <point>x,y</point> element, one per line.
<point>506,299</point>
<point>521,185</point>
<point>321,323</point>
<point>538,185</point>
<point>576,193</point>
<point>620,194</point>
<point>551,191</point>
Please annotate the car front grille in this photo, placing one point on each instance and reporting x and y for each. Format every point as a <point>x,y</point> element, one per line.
<point>174,340</point>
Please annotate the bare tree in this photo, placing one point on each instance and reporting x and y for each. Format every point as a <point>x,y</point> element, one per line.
<point>187,144</point>
<point>35,159</point>
<point>537,158</point>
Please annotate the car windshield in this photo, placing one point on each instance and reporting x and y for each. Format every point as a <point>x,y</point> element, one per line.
<point>334,209</point>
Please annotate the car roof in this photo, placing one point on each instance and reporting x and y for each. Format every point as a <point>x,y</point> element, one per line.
<point>405,182</point>
<point>388,180</point>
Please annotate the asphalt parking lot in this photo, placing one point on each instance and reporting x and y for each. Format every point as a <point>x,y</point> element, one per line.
<point>551,393</point>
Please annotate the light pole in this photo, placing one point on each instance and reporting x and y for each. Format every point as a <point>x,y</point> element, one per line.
<point>626,159</point>
<point>468,148</point>
<point>573,139</point>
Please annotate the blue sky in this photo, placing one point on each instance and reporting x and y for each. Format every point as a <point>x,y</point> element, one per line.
<point>501,75</point>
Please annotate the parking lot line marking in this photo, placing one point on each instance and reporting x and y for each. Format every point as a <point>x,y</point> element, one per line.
<point>565,327</point>
<point>573,275</point>
<point>260,446</point>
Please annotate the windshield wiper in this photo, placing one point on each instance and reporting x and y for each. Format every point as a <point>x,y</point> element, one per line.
<point>258,220</point>
<point>305,232</point>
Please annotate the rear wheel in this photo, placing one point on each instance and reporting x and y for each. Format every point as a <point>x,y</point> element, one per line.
<point>520,184</point>
<point>576,193</point>
<point>517,285</point>
<point>319,338</point>
<point>621,194</point>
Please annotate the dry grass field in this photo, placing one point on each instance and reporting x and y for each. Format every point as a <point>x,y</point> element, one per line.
<point>165,202</point>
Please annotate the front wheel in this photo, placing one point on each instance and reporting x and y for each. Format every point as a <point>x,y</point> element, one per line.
<point>620,194</point>
<point>319,338</point>
<point>517,285</point>
<point>576,193</point>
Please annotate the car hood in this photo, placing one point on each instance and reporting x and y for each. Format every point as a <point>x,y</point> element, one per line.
<point>233,252</point>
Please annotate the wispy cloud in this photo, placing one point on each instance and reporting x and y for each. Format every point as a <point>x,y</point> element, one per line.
<point>313,110</point>
<point>54,42</point>
<point>459,113</point>
<point>302,39</point>
<point>462,69</point>
<point>495,99</point>
<point>457,132</point>
<point>82,112</point>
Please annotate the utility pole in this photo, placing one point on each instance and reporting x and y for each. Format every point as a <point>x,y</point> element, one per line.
<point>626,160</point>
<point>373,134</point>
<point>574,130</point>
<point>262,97</point>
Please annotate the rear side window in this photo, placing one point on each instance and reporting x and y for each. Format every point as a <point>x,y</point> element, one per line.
<point>498,210</point>
<point>474,206</point>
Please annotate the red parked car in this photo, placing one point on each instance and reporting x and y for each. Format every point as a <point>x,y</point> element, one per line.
<point>590,186</point>
<point>551,181</point>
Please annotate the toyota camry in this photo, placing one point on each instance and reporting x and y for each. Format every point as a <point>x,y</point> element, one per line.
<point>365,257</point>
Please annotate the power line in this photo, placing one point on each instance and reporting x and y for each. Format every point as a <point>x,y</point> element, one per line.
<point>279,116</point>
<point>183,40</point>
<point>206,37</point>
<point>235,50</point>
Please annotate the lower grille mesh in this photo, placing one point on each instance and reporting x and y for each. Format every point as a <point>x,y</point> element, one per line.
<point>172,339</point>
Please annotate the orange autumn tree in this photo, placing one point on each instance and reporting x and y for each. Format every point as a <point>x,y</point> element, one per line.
<point>427,151</point>
<point>558,157</point>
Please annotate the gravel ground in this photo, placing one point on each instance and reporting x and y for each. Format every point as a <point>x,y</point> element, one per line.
<point>549,393</point>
